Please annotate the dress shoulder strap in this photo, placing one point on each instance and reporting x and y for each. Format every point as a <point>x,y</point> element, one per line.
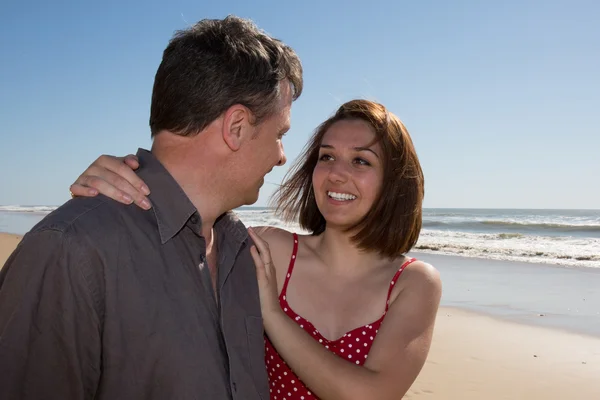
<point>291,266</point>
<point>395,279</point>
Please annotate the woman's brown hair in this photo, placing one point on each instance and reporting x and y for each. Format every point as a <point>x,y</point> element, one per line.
<point>393,224</point>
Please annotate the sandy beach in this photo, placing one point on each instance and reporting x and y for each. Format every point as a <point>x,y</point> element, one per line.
<point>8,242</point>
<point>476,356</point>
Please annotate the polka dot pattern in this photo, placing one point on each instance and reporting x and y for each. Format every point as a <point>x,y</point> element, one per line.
<point>353,346</point>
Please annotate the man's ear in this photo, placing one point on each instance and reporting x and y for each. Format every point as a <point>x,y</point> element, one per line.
<point>236,126</point>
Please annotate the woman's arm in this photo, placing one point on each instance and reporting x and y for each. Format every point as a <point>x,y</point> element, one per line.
<point>113,177</point>
<point>398,353</point>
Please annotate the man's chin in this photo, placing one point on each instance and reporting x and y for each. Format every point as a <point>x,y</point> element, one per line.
<point>251,200</point>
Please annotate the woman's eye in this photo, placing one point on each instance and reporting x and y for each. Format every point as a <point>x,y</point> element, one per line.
<point>361,161</point>
<point>325,157</point>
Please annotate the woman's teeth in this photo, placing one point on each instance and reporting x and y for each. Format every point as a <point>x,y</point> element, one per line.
<point>341,196</point>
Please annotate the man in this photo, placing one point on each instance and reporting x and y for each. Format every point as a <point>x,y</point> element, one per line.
<point>105,301</point>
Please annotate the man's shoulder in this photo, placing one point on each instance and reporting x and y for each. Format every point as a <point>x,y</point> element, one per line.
<point>87,215</point>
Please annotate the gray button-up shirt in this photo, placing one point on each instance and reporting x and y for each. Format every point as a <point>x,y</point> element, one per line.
<point>106,301</point>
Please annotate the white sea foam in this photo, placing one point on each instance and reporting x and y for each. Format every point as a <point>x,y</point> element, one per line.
<point>559,250</point>
<point>29,209</point>
<point>502,244</point>
<point>568,237</point>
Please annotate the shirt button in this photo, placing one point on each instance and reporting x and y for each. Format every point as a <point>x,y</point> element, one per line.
<point>194,219</point>
<point>234,387</point>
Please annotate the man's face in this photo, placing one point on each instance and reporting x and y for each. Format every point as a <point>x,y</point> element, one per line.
<point>265,150</point>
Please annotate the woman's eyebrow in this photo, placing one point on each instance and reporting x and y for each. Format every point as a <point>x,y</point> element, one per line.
<point>360,148</point>
<point>366,149</point>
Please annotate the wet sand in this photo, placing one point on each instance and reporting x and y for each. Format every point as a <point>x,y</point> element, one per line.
<point>535,294</point>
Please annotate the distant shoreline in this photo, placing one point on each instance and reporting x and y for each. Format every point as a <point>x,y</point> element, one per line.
<point>564,238</point>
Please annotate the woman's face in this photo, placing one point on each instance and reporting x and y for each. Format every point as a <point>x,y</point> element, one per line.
<point>349,173</point>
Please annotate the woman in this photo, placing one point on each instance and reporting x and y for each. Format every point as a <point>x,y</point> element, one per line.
<point>346,314</point>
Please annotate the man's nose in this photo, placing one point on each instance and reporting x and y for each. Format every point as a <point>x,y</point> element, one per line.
<point>282,158</point>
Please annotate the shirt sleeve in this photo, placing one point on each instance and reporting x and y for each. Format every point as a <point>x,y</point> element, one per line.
<point>50,334</point>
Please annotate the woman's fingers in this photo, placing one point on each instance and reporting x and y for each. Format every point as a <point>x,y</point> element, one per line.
<point>263,247</point>
<point>124,167</point>
<point>113,178</point>
<point>263,254</point>
<point>106,182</point>
<point>132,161</point>
<point>260,265</point>
<point>82,191</point>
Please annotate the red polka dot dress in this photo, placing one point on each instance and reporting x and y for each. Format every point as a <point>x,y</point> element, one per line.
<point>353,346</point>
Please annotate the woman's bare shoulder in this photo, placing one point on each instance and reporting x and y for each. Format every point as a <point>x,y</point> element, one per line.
<point>419,279</point>
<point>280,241</point>
<point>272,234</point>
<point>422,272</point>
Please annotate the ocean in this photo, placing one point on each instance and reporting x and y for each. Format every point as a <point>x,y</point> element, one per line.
<point>568,238</point>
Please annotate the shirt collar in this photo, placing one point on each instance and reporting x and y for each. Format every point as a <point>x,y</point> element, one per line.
<point>230,222</point>
<point>171,205</point>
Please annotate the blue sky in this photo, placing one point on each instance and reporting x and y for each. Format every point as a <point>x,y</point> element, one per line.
<point>501,98</point>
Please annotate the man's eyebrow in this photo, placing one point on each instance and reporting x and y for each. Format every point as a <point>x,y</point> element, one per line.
<point>328,146</point>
